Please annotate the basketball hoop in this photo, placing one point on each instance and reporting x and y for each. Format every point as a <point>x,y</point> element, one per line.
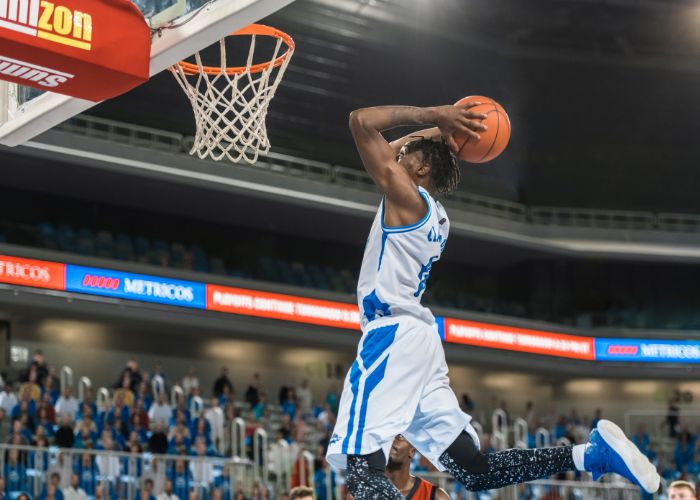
<point>230,102</point>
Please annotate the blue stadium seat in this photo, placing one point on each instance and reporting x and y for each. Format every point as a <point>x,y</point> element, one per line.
<point>200,260</point>
<point>124,249</point>
<point>142,249</point>
<point>216,266</point>
<point>178,256</point>
<point>85,242</point>
<point>104,244</point>
<point>160,254</point>
<point>47,235</point>
<point>65,236</point>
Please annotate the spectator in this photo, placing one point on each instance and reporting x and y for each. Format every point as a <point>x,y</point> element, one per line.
<point>74,491</point>
<point>468,404</point>
<point>53,488</point>
<point>37,370</point>
<point>181,478</point>
<point>86,438</point>
<point>201,429</point>
<point>65,437</point>
<point>8,399</point>
<point>67,404</point>
<point>139,429</point>
<point>598,416</point>
<point>147,491</point>
<point>158,442</point>
<point>259,409</point>
<point>222,482</point>
<point>201,470</point>
<point>160,411</point>
<point>215,416</point>
<point>118,411</point>
<point>167,493</point>
<point>190,381</point>
<point>87,471</point>
<point>5,426</point>
<point>49,392</point>
<point>304,399</point>
<point>301,493</point>
<point>683,454</point>
<point>15,473</point>
<point>144,396</point>
<point>221,382</point>
<point>19,434</point>
<point>681,490</point>
<point>132,368</point>
<point>158,379</point>
<point>332,398</point>
<point>641,439</point>
<point>673,414</point>
<point>43,420</point>
<point>289,405</point>
<point>252,394</point>
<point>530,417</point>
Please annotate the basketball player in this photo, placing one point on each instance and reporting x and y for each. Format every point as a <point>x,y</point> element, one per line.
<point>398,383</point>
<point>398,471</point>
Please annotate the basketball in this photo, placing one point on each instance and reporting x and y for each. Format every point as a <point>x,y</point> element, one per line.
<point>493,141</point>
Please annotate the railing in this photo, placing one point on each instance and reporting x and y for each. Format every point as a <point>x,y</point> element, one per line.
<point>122,475</point>
<point>325,172</point>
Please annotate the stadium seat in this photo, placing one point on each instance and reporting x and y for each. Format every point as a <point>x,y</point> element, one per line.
<point>46,235</point>
<point>200,261</point>
<point>216,266</point>
<point>142,249</point>
<point>178,256</point>
<point>124,249</point>
<point>65,236</point>
<point>104,244</point>
<point>160,254</point>
<point>85,242</point>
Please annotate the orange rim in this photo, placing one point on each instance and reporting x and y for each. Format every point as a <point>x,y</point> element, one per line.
<point>254,29</point>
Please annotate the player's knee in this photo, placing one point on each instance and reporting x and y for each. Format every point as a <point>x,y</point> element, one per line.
<point>464,453</point>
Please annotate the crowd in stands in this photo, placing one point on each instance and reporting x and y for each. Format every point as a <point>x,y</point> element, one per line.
<point>139,417</point>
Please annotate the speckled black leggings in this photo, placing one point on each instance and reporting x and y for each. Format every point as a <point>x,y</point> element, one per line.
<point>366,479</point>
<point>487,471</point>
<point>475,470</point>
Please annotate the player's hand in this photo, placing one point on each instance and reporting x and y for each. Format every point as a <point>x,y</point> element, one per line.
<point>451,119</point>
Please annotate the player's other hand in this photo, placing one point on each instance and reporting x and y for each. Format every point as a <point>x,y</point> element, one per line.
<point>451,119</point>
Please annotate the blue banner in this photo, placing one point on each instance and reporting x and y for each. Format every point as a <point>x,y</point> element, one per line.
<point>647,351</point>
<point>135,286</point>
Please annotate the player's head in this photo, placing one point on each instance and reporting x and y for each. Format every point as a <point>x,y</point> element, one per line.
<point>681,490</point>
<point>401,454</point>
<point>431,164</point>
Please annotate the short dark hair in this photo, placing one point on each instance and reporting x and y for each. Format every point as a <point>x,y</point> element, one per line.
<point>445,173</point>
<point>301,492</point>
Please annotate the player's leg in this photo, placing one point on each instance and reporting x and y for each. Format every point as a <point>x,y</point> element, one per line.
<point>442,433</point>
<point>608,451</point>
<point>379,399</point>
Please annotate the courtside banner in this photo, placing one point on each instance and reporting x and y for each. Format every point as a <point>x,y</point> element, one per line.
<point>131,286</point>
<point>92,50</point>
<point>647,350</point>
<point>518,339</point>
<point>34,273</point>
<point>285,307</point>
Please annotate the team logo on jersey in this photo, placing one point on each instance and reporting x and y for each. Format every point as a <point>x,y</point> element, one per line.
<point>49,21</point>
<point>334,439</point>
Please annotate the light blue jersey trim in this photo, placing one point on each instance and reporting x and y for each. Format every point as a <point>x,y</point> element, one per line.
<point>411,227</point>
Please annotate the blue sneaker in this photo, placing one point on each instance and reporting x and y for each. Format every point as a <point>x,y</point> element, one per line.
<point>609,450</point>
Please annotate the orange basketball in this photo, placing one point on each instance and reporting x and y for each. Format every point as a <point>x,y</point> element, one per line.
<point>493,141</point>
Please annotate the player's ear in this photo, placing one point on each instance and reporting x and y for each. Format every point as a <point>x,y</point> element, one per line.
<point>412,453</point>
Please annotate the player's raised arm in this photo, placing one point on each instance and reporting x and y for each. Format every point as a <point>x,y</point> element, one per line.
<point>379,157</point>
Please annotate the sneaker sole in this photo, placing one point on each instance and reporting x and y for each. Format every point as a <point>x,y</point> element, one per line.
<point>635,461</point>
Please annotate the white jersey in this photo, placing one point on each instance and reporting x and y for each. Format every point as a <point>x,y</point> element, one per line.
<point>397,263</point>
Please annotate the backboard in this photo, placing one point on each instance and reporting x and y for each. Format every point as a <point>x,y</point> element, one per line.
<point>195,24</point>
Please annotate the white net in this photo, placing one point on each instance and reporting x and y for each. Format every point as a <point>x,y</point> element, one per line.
<point>230,104</point>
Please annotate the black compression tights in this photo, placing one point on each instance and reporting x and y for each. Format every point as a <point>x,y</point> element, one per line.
<point>475,470</point>
<point>487,471</point>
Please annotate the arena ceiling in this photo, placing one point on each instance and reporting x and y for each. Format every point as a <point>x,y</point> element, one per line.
<point>602,94</point>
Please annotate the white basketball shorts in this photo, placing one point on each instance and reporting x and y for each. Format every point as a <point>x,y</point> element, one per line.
<point>398,384</point>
